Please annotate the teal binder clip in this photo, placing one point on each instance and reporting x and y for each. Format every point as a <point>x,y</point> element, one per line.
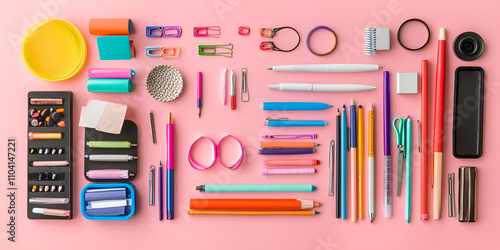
<point>115,48</point>
<point>225,50</point>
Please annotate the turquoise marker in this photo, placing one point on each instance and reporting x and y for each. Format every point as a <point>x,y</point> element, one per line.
<point>295,106</point>
<point>256,188</point>
<point>343,164</point>
<point>408,168</point>
<point>284,122</point>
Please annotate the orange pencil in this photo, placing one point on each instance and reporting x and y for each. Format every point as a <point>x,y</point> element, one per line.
<point>283,144</point>
<point>360,161</point>
<point>253,204</point>
<point>225,212</point>
<point>424,214</point>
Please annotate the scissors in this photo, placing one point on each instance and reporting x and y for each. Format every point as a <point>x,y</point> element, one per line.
<point>399,129</point>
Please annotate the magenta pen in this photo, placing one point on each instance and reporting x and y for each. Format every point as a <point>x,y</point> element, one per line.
<point>109,174</point>
<point>276,171</point>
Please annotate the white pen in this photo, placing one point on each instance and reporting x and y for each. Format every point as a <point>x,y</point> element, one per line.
<point>111,158</point>
<point>326,67</point>
<point>224,86</point>
<point>312,87</point>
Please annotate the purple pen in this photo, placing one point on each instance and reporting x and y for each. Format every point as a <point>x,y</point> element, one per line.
<point>306,136</point>
<point>286,151</point>
<point>387,144</point>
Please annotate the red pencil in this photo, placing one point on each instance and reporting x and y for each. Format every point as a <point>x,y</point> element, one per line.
<point>423,152</point>
<point>437,152</point>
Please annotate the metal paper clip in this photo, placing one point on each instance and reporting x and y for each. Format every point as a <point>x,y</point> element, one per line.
<point>419,130</point>
<point>152,185</point>
<point>210,31</point>
<point>245,94</point>
<point>164,52</point>
<point>244,30</point>
<point>267,32</point>
<point>225,50</point>
<point>451,195</point>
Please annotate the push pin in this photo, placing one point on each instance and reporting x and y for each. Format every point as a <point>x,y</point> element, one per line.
<point>40,188</point>
<point>54,176</point>
<point>33,188</point>
<point>60,189</point>
<point>53,188</point>
<point>47,188</point>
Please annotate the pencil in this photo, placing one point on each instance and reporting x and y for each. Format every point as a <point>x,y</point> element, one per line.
<point>438,125</point>
<point>280,144</point>
<point>354,166</point>
<point>253,204</point>
<point>198,100</point>
<point>371,163</point>
<point>226,212</point>
<point>360,161</point>
<point>343,163</point>
<point>337,172</point>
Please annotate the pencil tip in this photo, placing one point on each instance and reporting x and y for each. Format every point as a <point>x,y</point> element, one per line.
<point>270,68</point>
<point>380,67</point>
<point>371,220</point>
<point>352,101</point>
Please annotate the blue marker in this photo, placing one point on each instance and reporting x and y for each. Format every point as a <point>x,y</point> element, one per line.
<point>343,164</point>
<point>295,106</point>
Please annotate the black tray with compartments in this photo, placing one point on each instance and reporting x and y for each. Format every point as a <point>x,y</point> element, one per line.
<point>50,114</point>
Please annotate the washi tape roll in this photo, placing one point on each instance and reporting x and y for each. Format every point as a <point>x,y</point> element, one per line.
<point>110,26</point>
<point>103,85</point>
<point>111,73</point>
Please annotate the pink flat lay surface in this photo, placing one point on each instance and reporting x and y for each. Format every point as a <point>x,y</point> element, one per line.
<point>347,19</point>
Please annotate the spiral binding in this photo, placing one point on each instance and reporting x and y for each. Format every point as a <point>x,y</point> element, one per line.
<point>370,41</point>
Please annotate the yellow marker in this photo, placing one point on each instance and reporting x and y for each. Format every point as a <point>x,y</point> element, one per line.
<point>360,161</point>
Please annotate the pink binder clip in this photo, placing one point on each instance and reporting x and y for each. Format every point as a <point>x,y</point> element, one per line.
<point>209,31</point>
<point>244,30</point>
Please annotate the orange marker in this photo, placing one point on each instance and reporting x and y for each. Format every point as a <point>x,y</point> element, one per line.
<point>253,204</point>
<point>35,136</point>
<point>278,144</point>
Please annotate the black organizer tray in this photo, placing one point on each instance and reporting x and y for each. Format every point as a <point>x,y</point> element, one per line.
<point>65,143</point>
<point>128,133</point>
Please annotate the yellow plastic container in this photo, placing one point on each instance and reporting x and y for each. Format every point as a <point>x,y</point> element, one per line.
<point>53,49</point>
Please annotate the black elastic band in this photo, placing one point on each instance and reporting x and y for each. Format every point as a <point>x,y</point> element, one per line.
<point>275,48</point>
<point>411,20</point>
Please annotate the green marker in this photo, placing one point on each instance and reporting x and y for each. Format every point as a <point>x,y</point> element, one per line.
<point>110,144</point>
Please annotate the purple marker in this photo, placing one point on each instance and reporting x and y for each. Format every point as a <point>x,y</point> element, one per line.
<point>387,145</point>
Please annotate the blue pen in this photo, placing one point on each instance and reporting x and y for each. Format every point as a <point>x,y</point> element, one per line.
<point>343,163</point>
<point>296,106</point>
<point>286,151</point>
<point>284,122</point>
<point>408,168</point>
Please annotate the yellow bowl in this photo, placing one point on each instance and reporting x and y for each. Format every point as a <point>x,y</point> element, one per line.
<point>53,49</point>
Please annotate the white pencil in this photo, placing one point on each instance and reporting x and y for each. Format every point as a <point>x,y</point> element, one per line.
<point>326,67</point>
<point>320,87</point>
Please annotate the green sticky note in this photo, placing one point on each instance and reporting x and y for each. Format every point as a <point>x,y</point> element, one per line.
<point>114,48</point>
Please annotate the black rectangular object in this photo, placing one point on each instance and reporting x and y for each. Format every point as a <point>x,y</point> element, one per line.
<point>128,133</point>
<point>64,173</point>
<point>467,194</point>
<point>468,107</point>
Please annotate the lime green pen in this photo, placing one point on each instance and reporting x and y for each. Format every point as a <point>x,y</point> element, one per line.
<point>110,144</point>
<point>408,168</point>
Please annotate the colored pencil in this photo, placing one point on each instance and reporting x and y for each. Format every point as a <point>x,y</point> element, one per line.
<point>371,163</point>
<point>225,212</point>
<point>424,157</point>
<point>253,204</point>
<point>354,164</point>
<point>281,144</point>
<point>360,161</point>
<point>338,169</point>
<point>343,155</point>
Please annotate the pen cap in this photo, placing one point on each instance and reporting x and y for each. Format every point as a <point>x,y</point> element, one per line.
<point>104,85</point>
<point>467,194</point>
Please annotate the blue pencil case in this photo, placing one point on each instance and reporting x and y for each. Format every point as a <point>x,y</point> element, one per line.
<point>114,192</point>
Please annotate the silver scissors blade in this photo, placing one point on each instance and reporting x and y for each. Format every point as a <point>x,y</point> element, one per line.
<point>400,168</point>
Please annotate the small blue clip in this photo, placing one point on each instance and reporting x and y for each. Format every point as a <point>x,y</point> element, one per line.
<point>151,29</point>
<point>150,49</point>
<point>163,31</point>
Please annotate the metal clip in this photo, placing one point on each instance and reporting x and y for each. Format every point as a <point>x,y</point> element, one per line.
<point>419,130</point>
<point>209,31</point>
<point>244,86</point>
<point>165,51</point>
<point>150,30</point>
<point>218,50</point>
<point>244,30</point>
<point>267,32</point>
<point>152,185</point>
<point>451,195</point>
<point>161,31</point>
<point>278,119</point>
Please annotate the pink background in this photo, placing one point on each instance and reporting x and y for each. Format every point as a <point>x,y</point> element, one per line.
<point>144,230</point>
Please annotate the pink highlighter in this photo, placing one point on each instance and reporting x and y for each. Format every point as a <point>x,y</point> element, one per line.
<point>109,174</point>
<point>310,162</point>
<point>111,73</point>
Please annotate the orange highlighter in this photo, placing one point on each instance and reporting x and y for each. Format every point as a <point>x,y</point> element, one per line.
<point>278,144</point>
<point>253,204</point>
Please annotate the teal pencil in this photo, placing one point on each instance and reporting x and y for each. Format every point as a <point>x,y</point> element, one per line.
<point>408,169</point>
<point>256,188</point>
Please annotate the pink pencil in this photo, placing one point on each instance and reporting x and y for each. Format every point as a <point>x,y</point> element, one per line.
<point>198,102</point>
<point>309,162</point>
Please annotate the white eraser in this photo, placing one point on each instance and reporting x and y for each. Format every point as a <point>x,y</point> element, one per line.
<point>407,83</point>
<point>383,39</point>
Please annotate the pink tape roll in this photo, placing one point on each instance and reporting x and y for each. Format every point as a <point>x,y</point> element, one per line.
<point>111,73</point>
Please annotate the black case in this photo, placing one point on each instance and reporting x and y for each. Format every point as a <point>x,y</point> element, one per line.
<point>468,106</point>
<point>64,173</point>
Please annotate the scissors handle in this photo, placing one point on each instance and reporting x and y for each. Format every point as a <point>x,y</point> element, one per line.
<point>399,130</point>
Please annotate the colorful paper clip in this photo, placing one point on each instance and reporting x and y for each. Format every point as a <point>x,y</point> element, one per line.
<point>267,45</point>
<point>164,52</point>
<point>244,30</point>
<point>209,31</point>
<point>163,31</point>
<point>306,136</point>
<point>267,32</point>
<point>225,50</point>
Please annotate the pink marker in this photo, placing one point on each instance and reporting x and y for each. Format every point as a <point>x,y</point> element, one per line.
<point>49,163</point>
<point>309,162</point>
<point>109,174</point>
<point>52,212</point>
<point>111,73</point>
<point>273,171</point>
